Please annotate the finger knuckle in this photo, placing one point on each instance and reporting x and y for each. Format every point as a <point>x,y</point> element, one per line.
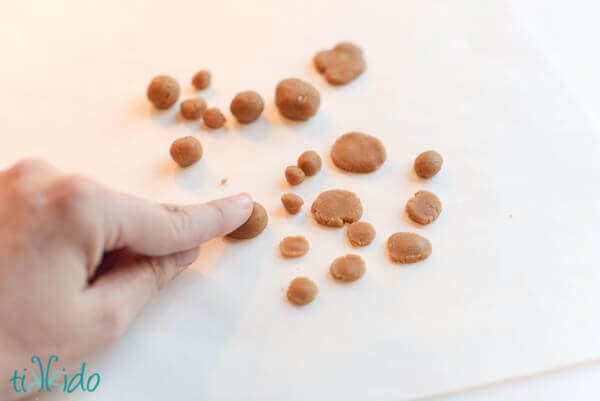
<point>180,221</point>
<point>28,166</point>
<point>158,271</point>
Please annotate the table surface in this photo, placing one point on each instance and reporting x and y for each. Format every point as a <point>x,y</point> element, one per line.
<point>503,309</point>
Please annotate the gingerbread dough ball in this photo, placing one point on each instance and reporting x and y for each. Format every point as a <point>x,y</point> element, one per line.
<point>296,99</point>
<point>360,233</point>
<point>163,92</point>
<point>408,248</point>
<point>193,109</point>
<point>358,153</point>
<point>293,247</point>
<point>186,151</point>
<point>253,226</point>
<point>292,203</point>
<point>302,291</point>
<point>424,207</point>
<point>342,64</point>
<point>213,118</point>
<point>309,162</point>
<point>348,268</point>
<point>247,106</point>
<point>427,164</point>
<point>335,207</point>
<point>201,80</point>
<point>294,175</point>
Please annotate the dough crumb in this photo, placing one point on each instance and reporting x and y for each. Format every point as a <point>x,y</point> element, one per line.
<point>201,80</point>
<point>193,109</point>
<point>335,207</point>
<point>348,268</point>
<point>293,247</point>
<point>213,118</point>
<point>310,163</point>
<point>408,248</point>
<point>255,224</point>
<point>358,153</point>
<point>428,164</point>
<point>302,291</point>
<point>292,202</point>
<point>186,151</point>
<point>163,91</point>
<point>424,207</point>
<point>342,64</point>
<point>296,99</point>
<point>247,106</point>
<point>224,181</point>
<point>294,175</point>
<point>360,233</point>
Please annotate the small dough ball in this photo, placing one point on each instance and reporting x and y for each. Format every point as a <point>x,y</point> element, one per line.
<point>255,224</point>
<point>342,64</point>
<point>292,203</point>
<point>408,248</point>
<point>424,207</point>
<point>201,80</point>
<point>335,207</point>
<point>293,247</point>
<point>193,109</point>
<point>302,291</point>
<point>163,92</point>
<point>348,268</point>
<point>294,175</point>
<point>358,153</point>
<point>247,106</point>
<point>213,118</point>
<point>186,151</point>
<point>309,162</point>
<point>360,233</point>
<point>428,164</point>
<point>296,99</point>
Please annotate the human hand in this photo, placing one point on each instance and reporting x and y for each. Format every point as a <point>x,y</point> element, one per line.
<point>79,261</point>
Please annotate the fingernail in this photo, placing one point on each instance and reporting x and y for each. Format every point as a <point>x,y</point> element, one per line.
<point>243,200</point>
<point>188,257</point>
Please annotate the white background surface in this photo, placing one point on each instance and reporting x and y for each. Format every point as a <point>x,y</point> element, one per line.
<point>483,82</point>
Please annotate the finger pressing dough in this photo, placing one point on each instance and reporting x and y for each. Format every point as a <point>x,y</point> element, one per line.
<point>309,162</point>
<point>302,291</point>
<point>342,64</point>
<point>358,153</point>
<point>296,99</point>
<point>348,268</point>
<point>163,92</point>
<point>427,164</point>
<point>213,118</point>
<point>424,207</point>
<point>292,203</point>
<point>201,80</point>
<point>408,248</point>
<point>294,175</point>
<point>247,106</point>
<point>360,233</point>
<point>193,109</point>
<point>293,247</point>
<point>255,224</point>
<point>335,207</point>
<point>186,151</point>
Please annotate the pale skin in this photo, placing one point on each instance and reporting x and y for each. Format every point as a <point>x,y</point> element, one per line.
<point>78,262</point>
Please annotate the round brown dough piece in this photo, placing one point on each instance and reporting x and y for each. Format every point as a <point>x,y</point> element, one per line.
<point>428,164</point>
<point>247,106</point>
<point>424,207</point>
<point>408,248</point>
<point>310,163</point>
<point>360,233</point>
<point>294,175</point>
<point>358,153</point>
<point>296,99</point>
<point>201,80</point>
<point>342,64</point>
<point>348,268</point>
<point>293,247</point>
<point>255,224</point>
<point>335,207</point>
<point>163,91</point>
<point>302,291</point>
<point>213,118</point>
<point>193,109</point>
<point>292,203</point>
<point>186,151</point>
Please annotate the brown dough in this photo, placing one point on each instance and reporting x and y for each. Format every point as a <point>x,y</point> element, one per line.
<point>348,268</point>
<point>302,291</point>
<point>293,247</point>
<point>427,164</point>
<point>424,207</point>
<point>408,248</point>
<point>360,233</point>
<point>296,99</point>
<point>193,109</point>
<point>294,175</point>
<point>163,92</point>
<point>335,207</point>
<point>186,151</point>
<point>358,153</point>
<point>213,118</point>
<point>255,224</point>
<point>247,106</point>
<point>292,203</point>
<point>342,64</point>
<point>201,80</point>
<point>309,162</point>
